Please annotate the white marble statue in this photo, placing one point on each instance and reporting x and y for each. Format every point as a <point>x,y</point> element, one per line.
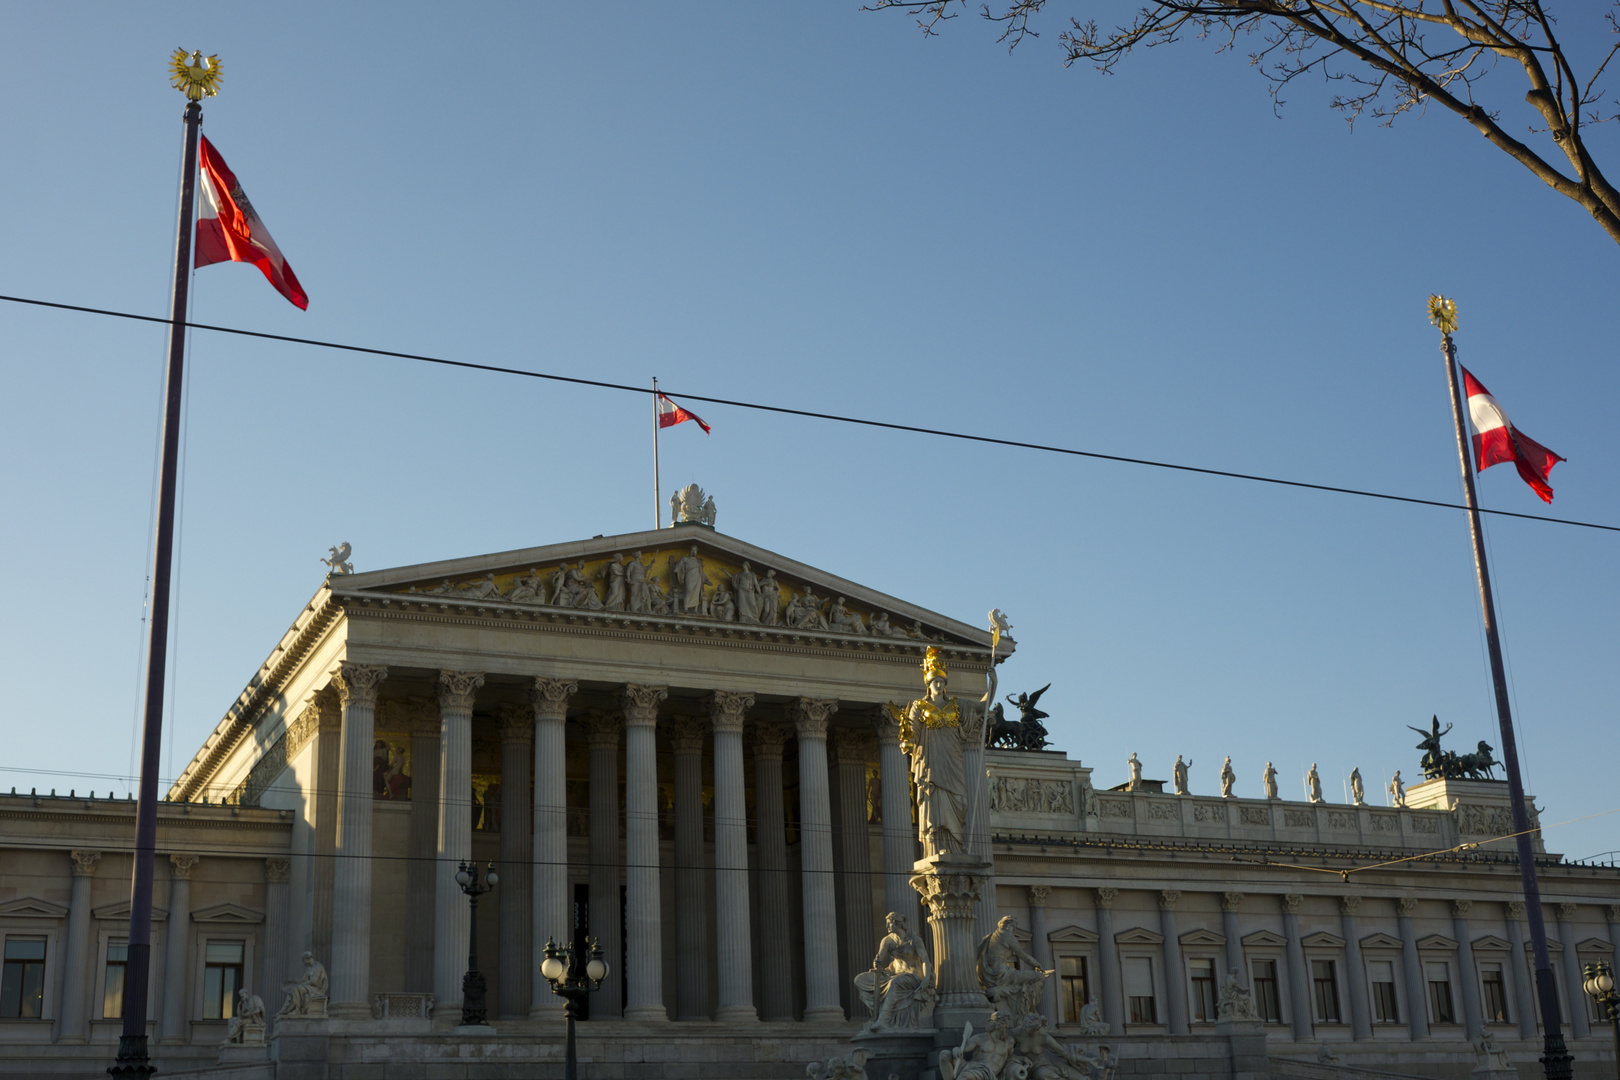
<point>931,737</point>
<point>707,515</point>
<point>1101,1064</point>
<point>528,589</point>
<point>614,571</point>
<point>1236,1001</point>
<point>686,575</point>
<point>852,1067</point>
<point>1228,778</point>
<point>1092,1023</point>
<point>1487,1055</point>
<point>1179,774</point>
<point>1326,1056</point>
<point>770,599</point>
<point>635,585</point>
<point>247,1026</point>
<point>1270,781</point>
<point>845,621</point>
<point>307,997</point>
<point>1045,1057</point>
<point>690,504</point>
<point>1358,791</point>
<point>339,561</point>
<point>897,991</point>
<point>984,1056</point>
<point>1397,791</point>
<point>1011,977</point>
<point>745,583</point>
<point>1135,782</point>
<point>1313,785</point>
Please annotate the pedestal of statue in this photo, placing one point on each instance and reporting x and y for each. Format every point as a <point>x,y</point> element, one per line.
<point>949,884</point>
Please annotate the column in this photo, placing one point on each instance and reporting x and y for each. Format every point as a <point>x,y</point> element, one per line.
<point>821,1000</point>
<point>516,963</point>
<point>1040,947</point>
<point>174,1023</point>
<point>731,912</point>
<point>1175,972</point>
<point>277,872</point>
<point>775,962</point>
<point>551,907</point>
<point>644,952</point>
<point>853,749</point>
<point>422,844</point>
<point>351,871</point>
<point>1113,1005</point>
<point>452,918</point>
<point>691,892</point>
<point>607,869</point>
<point>1575,997</point>
<point>978,814</point>
<point>899,834</point>
<point>77,970</point>
<point>1473,1015</point>
<point>1299,983</point>
<point>328,718</point>
<point>1417,999</point>
<point>1524,1004</point>
<point>1355,971</point>
<point>1230,902</point>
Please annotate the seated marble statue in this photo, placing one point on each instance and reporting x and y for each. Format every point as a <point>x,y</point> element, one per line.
<point>1091,1019</point>
<point>1011,977</point>
<point>1236,1002</point>
<point>247,1026</point>
<point>985,1056</point>
<point>308,996</point>
<point>897,991</point>
<point>1046,1058</point>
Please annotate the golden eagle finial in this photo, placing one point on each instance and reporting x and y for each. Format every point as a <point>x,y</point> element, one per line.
<point>1443,313</point>
<point>193,74</point>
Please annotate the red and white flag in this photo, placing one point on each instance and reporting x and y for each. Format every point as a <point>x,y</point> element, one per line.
<point>670,414</point>
<point>1496,440</point>
<point>229,229</point>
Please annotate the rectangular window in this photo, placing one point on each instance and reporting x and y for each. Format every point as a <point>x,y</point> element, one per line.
<point>1139,990</point>
<point>1267,1002</point>
<point>1495,993</point>
<point>1440,1008</point>
<point>1203,990</point>
<point>22,986</point>
<point>1325,990</point>
<point>112,998</point>
<point>1381,974</point>
<point>1076,986</point>
<point>222,977</point>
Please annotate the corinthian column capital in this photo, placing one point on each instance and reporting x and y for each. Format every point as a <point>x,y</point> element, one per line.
<point>887,723</point>
<point>1168,899</point>
<point>1460,908</point>
<point>458,688</point>
<point>550,697</point>
<point>1349,904</point>
<point>640,703</point>
<point>516,723</point>
<point>277,869</point>
<point>854,746</point>
<point>84,862</point>
<point>357,683</point>
<point>686,734</point>
<point>767,737</point>
<point>181,866</point>
<point>810,716</point>
<point>727,710</point>
<point>603,728</point>
<point>1290,903</point>
<point>1231,901</point>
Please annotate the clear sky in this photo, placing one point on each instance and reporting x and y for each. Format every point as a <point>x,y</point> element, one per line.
<point>815,207</point>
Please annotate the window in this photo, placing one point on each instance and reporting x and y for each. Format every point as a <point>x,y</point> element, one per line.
<point>1075,982</point>
<point>1203,990</point>
<point>22,987</point>
<point>112,998</point>
<point>222,977</point>
<point>1267,1002</point>
<point>1139,990</point>
<point>1325,990</point>
<point>1440,1008</point>
<point>1495,993</point>
<point>1381,974</point>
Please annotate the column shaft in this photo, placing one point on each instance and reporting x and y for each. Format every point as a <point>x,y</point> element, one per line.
<point>451,915</point>
<point>1417,1001</point>
<point>644,952</point>
<point>174,1022</point>
<point>422,844</point>
<point>775,960</point>
<point>1229,927</point>
<point>607,868</point>
<point>328,780</point>
<point>1473,1014</point>
<point>1113,1004</point>
<point>691,878</point>
<point>1175,972</point>
<point>731,909</point>
<point>821,997</point>
<point>899,834</point>
<point>552,907</point>
<point>351,872</point>
<point>77,972</point>
<point>515,961</point>
<point>1355,971</point>
<point>1040,947</point>
<point>1575,997</point>
<point>854,748</point>
<point>277,871</point>
<point>1523,999</point>
<point>1299,984</point>
<point>978,816</point>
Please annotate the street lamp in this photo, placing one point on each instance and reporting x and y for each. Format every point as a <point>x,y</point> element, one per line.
<point>1599,985</point>
<point>562,970</point>
<point>472,983</point>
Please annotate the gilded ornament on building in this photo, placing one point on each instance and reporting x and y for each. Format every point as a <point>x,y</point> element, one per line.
<point>193,74</point>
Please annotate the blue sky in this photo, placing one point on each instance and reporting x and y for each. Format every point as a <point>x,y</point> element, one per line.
<point>816,207</point>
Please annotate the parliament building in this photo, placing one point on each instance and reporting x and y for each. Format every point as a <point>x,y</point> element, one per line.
<point>675,744</point>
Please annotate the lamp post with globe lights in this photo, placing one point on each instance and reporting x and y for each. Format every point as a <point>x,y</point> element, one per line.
<point>473,987</point>
<point>571,978</point>
<point>1599,985</point>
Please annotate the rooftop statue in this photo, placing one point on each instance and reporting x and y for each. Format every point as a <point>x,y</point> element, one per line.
<point>691,504</point>
<point>1450,765</point>
<point>1433,758</point>
<point>339,562</point>
<point>1025,733</point>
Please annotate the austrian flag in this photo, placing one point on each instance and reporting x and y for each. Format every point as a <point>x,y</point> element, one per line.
<point>1496,440</point>
<point>229,230</point>
<point>670,414</point>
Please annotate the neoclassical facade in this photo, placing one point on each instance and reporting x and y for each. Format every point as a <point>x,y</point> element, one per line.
<point>674,743</point>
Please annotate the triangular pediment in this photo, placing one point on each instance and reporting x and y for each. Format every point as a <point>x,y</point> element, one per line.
<point>1593,944</point>
<point>119,912</point>
<point>228,913</point>
<point>1202,937</point>
<point>591,580</point>
<point>1490,943</point>
<point>1266,939</point>
<point>32,907</point>
<point>1380,941</point>
<point>1072,935</point>
<point>1553,945</point>
<point>1138,936</point>
<point>1436,941</point>
<point>1322,940</point>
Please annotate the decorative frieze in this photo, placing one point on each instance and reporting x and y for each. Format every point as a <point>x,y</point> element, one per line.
<point>264,772</point>
<point>1426,824</point>
<point>1209,813</point>
<point>1254,815</point>
<point>1474,820</point>
<point>1298,819</point>
<point>1033,795</point>
<point>1114,808</point>
<point>1385,823</point>
<point>1163,811</point>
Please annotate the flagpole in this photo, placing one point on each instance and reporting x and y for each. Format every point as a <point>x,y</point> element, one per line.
<point>1556,1059</point>
<point>658,487</point>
